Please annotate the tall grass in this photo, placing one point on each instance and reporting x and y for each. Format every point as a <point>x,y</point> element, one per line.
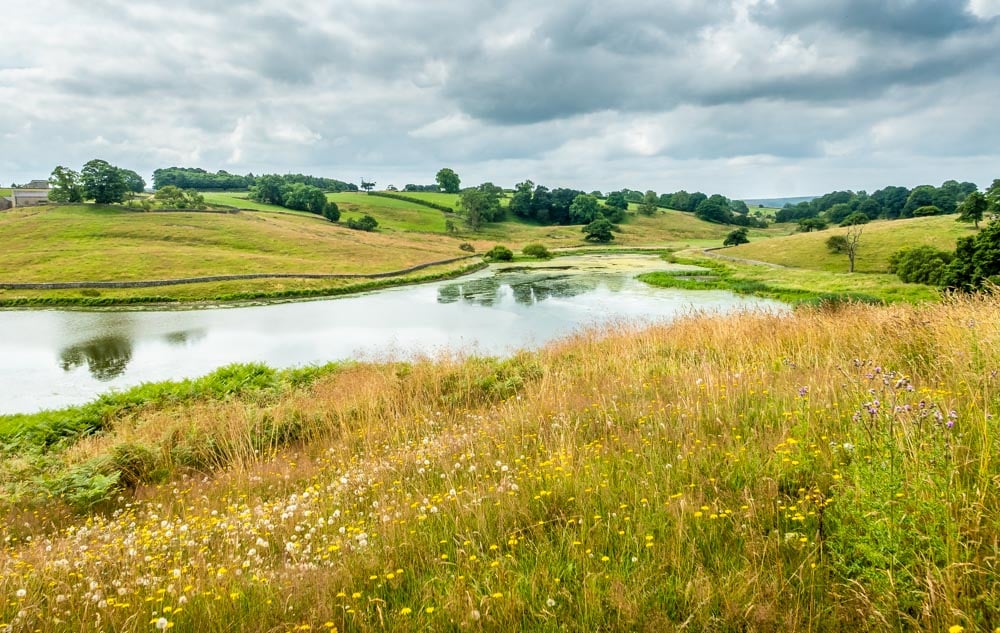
<point>835,469</point>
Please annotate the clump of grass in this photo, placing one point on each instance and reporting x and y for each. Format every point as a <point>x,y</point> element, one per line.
<point>828,469</point>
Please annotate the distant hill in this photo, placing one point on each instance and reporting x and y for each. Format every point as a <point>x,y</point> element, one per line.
<point>777,202</point>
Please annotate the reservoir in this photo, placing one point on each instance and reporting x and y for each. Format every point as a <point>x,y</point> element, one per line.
<point>55,358</point>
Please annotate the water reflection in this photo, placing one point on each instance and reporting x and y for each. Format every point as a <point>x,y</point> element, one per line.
<point>106,357</point>
<point>185,337</point>
<point>526,288</point>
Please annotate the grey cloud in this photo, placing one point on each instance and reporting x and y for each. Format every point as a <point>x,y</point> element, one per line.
<point>906,18</point>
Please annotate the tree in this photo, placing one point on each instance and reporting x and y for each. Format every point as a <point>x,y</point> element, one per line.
<point>584,209</point>
<point>854,219</point>
<point>66,185</point>
<point>448,180</point>
<point>973,208</point>
<point>807,225</point>
<point>133,182</point>
<point>367,186</point>
<point>920,265</point>
<point>331,212</point>
<point>927,210</point>
<point>853,238</point>
<point>977,259</point>
<point>520,202</point>
<point>536,250</point>
<point>102,182</point>
<point>617,200</point>
<point>836,244</point>
<point>481,205</point>
<point>269,189</point>
<point>922,196</point>
<point>737,237</point>
<point>714,209</point>
<point>649,203</point>
<point>304,198</point>
<point>171,197</point>
<point>598,231</point>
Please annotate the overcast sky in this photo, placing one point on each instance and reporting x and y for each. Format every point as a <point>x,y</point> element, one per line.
<point>749,98</point>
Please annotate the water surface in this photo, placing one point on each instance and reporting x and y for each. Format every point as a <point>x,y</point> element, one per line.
<point>54,358</point>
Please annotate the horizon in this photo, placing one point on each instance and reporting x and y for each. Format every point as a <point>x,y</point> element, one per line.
<point>753,99</point>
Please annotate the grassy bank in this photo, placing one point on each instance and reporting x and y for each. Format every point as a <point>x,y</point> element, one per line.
<point>879,240</point>
<point>794,285</point>
<point>828,470</point>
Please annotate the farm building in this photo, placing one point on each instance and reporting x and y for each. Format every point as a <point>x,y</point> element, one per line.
<point>33,194</point>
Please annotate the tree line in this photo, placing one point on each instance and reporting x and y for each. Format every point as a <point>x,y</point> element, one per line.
<point>291,193</point>
<point>888,203</point>
<point>98,180</point>
<point>201,180</point>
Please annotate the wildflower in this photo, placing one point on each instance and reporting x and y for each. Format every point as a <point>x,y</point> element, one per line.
<point>20,593</point>
<point>161,624</point>
<point>956,628</point>
<point>429,610</point>
<point>405,611</point>
<point>550,603</point>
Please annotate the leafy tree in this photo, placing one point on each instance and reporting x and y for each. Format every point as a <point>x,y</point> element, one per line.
<point>973,208</point>
<point>891,200</point>
<point>807,225</point>
<point>102,182</point>
<point>992,194</point>
<point>364,223</point>
<point>331,211</point>
<point>922,196</point>
<point>598,231</point>
<point>838,212</point>
<point>617,200</point>
<point>679,200</point>
<point>448,180</point>
<point>649,204</point>
<point>133,182</point>
<point>921,265</point>
<point>499,253</point>
<point>738,206</point>
<point>366,185</point>
<point>199,179</point>
<point>855,219</point>
<point>737,237</point>
<point>584,209</point>
<point>481,205</point>
<point>520,202</point>
<point>269,190</point>
<point>66,185</point>
<point>714,209</point>
<point>836,244</point>
<point>977,259</point>
<point>613,214</point>
<point>304,198</point>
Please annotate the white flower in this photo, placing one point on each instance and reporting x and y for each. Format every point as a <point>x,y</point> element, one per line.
<point>161,624</point>
<point>550,602</point>
<point>20,593</point>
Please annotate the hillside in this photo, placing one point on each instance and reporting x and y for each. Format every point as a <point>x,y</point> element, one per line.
<point>880,240</point>
<point>827,470</point>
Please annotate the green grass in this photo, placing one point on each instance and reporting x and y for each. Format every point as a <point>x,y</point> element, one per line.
<point>791,284</point>
<point>4,191</point>
<point>395,215</point>
<point>879,240</point>
<point>444,199</point>
<point>87,242</point>
<point>241,201</point>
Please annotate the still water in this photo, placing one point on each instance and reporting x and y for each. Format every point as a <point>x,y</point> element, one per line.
<point>55,358</point>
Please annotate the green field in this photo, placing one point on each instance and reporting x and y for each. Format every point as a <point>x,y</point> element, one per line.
<point>396,215</point>
<point>880,239</point>
<point>86,242</point>
<point>240,200</point>
<point>4,192</point>
<point>444,199</point>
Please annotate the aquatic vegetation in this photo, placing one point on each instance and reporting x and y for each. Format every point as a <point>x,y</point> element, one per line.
<point>829,470</point>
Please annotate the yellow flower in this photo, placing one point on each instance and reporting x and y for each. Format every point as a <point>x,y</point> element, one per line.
<point>429,610</point>
<point>405,611</point>
<point>956,628</point>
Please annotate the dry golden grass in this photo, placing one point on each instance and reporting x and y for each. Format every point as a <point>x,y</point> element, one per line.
<point>824,470</point>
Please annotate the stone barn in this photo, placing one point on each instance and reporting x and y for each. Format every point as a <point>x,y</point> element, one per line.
<point>33,194</point>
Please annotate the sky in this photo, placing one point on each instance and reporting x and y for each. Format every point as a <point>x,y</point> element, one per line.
<point>748,98</point>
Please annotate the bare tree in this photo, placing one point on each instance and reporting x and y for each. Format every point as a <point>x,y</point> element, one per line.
<point>853,238</point>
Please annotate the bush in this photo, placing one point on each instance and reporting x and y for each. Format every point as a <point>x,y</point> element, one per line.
<point>331,212</point>
<point>598,231</point>
<point>536,250</point>
<point>927,210</point>
<point>921,265</point>
<point>737,237</point>
<point>837,244</point>
<point>468,248</point>
<point>364,223</point>
<point>500,254</point>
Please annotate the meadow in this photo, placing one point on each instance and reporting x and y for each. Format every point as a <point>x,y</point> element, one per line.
<point>880,239</point>
<point>827,470</point>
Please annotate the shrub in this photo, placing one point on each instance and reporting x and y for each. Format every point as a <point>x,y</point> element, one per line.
<point>364,223</point>
<point>331,212</point>
<point>920,265</point>
<point>737,237</point>
<point>536,250</point>
<point>837,244</point>
<point>598,231</point>
<point>468,248</point>
<point>926,210</point>
<point>500,254</point>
